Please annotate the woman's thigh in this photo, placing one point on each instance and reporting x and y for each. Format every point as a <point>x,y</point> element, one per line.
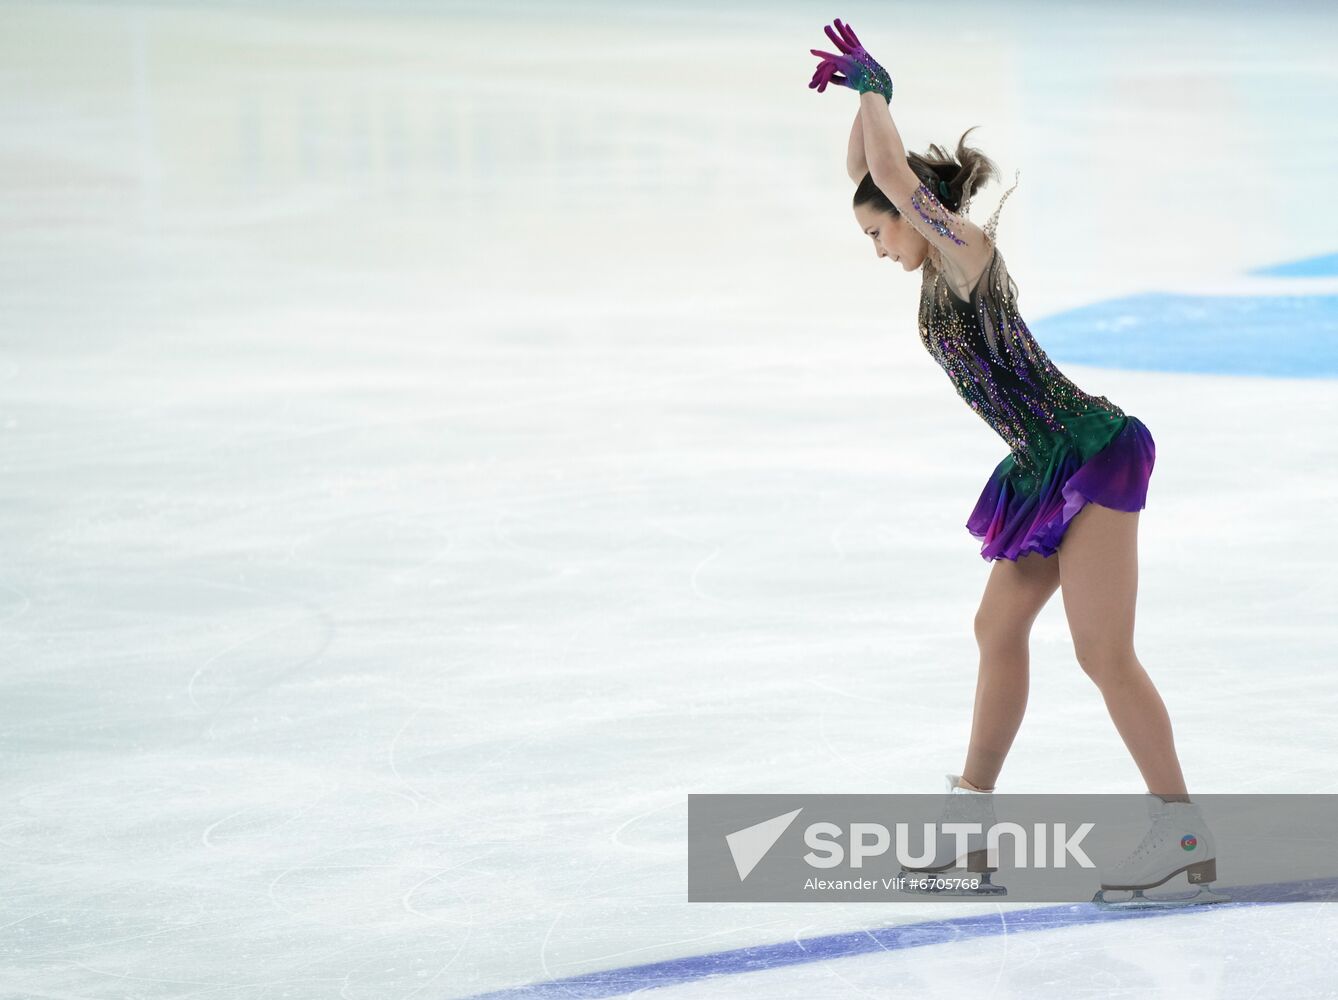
<point>1098,569</point>
<point>1014,595</point>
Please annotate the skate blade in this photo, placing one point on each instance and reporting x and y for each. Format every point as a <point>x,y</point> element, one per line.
<point>1136,899</point>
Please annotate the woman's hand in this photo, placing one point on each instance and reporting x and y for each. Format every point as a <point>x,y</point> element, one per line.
<point>853,68</point>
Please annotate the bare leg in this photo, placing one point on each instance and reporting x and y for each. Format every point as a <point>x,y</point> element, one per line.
<point>1014,595</point>
<point>1098,568</point>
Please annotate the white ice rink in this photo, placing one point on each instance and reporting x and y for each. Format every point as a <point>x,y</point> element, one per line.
<point>438,438</point>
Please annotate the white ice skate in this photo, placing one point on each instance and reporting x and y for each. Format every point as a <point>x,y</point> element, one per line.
<point>1179,841</point>
<point>942,875</point>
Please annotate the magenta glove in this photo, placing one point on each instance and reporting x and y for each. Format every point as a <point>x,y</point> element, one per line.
<point>862,72</point>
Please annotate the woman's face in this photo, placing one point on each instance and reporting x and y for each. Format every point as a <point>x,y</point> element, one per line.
<point>893,237</point>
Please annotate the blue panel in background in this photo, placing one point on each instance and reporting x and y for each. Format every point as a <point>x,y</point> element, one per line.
<point>1292,336</point>
<point>1311,267</point>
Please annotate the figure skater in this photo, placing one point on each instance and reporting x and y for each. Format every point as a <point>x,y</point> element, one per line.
<point>1060,511</point>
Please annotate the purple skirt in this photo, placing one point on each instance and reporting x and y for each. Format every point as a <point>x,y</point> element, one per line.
<point>1013,521</point>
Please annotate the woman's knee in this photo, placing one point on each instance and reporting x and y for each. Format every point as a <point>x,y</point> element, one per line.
<point>996,631</point>
<point>1104,660</point>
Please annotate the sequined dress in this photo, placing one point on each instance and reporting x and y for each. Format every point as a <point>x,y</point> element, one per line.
<point>1067,448</point>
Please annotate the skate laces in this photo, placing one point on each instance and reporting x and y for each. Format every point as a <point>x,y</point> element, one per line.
<point>1153,839</point>
<point>1163,827</point>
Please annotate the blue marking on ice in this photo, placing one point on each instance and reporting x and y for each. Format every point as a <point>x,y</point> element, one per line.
<point>879,940</point>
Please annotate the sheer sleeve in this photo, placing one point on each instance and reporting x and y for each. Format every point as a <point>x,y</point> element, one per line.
<point>992,224</point>
<point>962,244</point>
<point>966,246</point>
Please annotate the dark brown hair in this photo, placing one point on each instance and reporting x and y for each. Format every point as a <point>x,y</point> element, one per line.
<point>965,172</point>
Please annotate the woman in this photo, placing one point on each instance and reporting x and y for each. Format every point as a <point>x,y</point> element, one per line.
<point>1060,511</point>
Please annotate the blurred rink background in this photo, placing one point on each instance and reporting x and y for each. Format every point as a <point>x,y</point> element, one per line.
<point>438,438</point>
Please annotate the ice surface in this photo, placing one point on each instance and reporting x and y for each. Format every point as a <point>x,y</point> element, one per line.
<point>439,438</point>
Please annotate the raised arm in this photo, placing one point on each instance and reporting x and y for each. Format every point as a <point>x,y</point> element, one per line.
<point>856,165</point>
<point>962,244</point>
